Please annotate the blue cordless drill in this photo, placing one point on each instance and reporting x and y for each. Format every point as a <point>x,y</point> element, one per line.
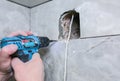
<point>27,45</point>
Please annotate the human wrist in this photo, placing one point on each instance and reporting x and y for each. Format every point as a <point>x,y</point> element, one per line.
<point>5,76</point>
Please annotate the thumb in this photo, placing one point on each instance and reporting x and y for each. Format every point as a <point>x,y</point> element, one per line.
<point>17,64</point>
<point>36,56</point>
<point>8,50</point>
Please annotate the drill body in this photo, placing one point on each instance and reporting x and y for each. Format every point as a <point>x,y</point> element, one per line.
<point>27,45</point>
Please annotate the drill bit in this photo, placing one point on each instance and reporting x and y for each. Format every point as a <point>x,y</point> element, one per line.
<point>52,40</point>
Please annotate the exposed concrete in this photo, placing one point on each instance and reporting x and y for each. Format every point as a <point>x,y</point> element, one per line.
<point>12,18</point>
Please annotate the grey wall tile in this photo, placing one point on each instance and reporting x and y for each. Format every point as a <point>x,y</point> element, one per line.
<point>98,62</point>
<point>12,18</point>
<point>99,18</point>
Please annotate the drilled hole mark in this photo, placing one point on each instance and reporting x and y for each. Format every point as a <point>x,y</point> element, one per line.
<point>64,24</point>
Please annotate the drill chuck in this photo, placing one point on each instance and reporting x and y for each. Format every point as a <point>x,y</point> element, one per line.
<point>44,41</point>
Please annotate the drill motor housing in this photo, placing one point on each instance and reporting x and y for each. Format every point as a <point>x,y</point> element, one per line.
<point>27,45</point>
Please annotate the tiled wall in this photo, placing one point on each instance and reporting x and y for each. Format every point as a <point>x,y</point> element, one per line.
<point>92,59</point>
<point>45,18</point>
<point>97,17</point>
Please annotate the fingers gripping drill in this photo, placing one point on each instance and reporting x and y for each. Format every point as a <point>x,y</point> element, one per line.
<point>27,45</point>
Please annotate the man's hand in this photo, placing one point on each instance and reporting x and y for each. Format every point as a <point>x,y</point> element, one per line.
<point>30,71</point>
<point>5,59</point>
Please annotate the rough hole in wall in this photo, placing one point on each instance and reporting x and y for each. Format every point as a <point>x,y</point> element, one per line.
<point>64,25</point>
